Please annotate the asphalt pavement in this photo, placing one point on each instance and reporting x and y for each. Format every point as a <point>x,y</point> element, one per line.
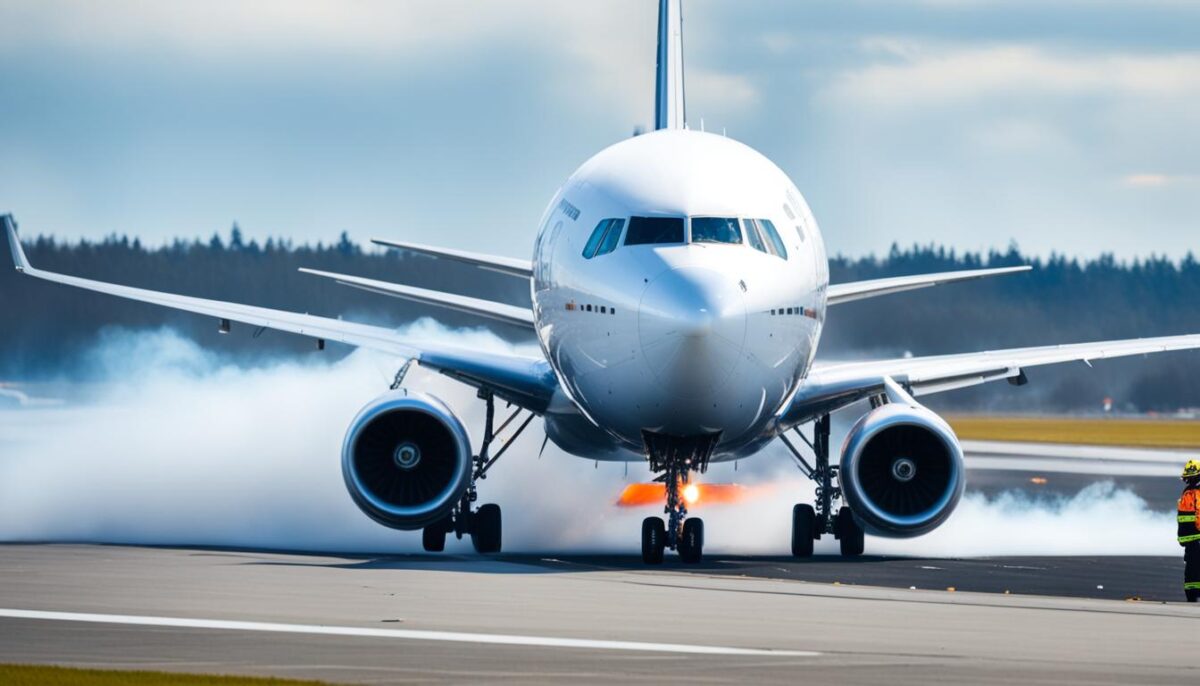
<point>431,619</point>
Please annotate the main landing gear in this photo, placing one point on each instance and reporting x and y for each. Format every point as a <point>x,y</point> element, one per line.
<point>484,523</point>
<point>810,523</point>
<point>676,457</point>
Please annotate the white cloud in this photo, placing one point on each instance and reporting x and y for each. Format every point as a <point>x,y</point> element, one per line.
<point>731,90</point>
<point>926,75</point>
<point>591,41</point>
<point>223,27</point>
<point>1157,180</point>
<point>1018,136</point>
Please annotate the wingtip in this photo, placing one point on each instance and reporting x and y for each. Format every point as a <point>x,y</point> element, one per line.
<point>20,262</point>
<point>314,272</point>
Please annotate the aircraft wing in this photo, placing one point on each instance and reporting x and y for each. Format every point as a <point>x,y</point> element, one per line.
<point>860,290</point>
<point>834,385</point>
<point>508,314</point>
<point>505,265</point>
<point>525,381</point>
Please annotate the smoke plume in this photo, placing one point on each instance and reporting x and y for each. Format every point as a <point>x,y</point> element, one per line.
<point>177,446</point>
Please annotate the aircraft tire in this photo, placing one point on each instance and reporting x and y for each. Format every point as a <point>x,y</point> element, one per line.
<point>691,541</point>
<point>850,534</point>
<point>485,529</point>
<point>654,540</point>
<point>804,525</point>
<point>433,537</point>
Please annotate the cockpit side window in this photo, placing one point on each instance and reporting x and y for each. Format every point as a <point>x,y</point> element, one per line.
<point>773,237</point>
<point>753,236</point>
<point>589,250</point>
<point>763,237</point>
<point>715,230</point>
<point>654,230</point>
<point>612,238</point>
<point>604,238</point>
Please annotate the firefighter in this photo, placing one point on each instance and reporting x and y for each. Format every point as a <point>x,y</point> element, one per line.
<point>1189,529</point>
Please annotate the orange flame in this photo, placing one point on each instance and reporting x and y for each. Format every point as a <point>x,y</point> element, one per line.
<point>639,495</point>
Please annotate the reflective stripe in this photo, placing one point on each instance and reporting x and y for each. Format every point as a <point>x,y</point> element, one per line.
<point>1189,539</point>
<point>1185,518</point>
<point>1191,585</point>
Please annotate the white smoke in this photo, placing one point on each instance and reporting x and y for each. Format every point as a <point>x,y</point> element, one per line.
<point>179,447</point>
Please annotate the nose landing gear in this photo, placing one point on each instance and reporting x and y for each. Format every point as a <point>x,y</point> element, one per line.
<point>676,457</point>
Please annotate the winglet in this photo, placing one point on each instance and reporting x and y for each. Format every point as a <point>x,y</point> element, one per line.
<point>14,244</point>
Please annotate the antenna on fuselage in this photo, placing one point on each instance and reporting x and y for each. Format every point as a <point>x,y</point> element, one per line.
<point>670,111</point>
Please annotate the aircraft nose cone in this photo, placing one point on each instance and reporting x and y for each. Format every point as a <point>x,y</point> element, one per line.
<point>693,320</point>
<point>692,329</point>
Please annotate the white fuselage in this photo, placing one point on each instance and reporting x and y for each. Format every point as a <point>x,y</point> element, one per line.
<point>684,337</point>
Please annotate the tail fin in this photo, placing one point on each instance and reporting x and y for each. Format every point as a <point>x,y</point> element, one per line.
<point>669,103</point>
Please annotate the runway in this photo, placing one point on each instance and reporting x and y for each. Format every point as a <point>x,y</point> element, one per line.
<point>403,619</point>
<point>994,467</point>
<point>354,618</point>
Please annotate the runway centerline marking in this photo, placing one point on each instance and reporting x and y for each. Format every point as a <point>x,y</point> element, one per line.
<point>400,634</point>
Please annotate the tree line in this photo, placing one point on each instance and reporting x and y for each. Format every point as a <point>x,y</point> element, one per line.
<point>47,328</point>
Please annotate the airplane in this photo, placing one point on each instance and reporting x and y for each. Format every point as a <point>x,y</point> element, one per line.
<point>679,287</point>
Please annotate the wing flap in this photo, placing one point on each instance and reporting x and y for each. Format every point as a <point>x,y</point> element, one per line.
<point>861,290</point>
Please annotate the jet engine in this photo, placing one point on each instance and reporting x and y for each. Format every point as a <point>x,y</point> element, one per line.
<point>406,460</point>
<point>901,471</point>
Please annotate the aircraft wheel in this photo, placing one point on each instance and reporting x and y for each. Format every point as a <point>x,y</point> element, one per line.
<point>691,542</point>
<point>485,529</point>
<point>849,534</point>
<point>804,530</point>
<point>654,540</point>
<point>433,537</point>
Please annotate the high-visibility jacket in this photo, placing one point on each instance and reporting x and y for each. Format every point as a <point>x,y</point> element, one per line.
<point>1189,527</point>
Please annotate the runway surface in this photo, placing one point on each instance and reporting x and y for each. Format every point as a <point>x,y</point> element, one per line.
<point>602,618</point>
<point>419,618</point>
<point>995,466</point>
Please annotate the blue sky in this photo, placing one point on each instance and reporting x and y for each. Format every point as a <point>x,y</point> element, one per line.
<point>1067,126</point>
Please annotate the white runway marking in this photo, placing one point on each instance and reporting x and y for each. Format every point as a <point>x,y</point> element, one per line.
<point>403,634</point>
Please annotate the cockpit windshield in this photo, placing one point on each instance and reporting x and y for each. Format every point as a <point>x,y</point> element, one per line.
<point>715,230</point>
<point>654,230</point>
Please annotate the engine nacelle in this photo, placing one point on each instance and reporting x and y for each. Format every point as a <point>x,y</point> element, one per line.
<point>406,460</point>
<point>901,470</point>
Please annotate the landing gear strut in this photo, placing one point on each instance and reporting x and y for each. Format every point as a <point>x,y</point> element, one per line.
<point>676,457</point>
<point>483,525</point>
<point>810,523</point>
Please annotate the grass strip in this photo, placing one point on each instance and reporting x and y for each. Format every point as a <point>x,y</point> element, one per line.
<point>1141,433</point>
<point>40,675</point>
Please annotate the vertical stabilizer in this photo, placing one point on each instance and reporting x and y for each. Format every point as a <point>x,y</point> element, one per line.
<point>669,108</point>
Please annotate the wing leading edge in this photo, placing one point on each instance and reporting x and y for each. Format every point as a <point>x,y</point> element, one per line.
<point>509,314</point>
<point>861,290</point>
<point>834,385</point>
<point>504,265</point>
<point>525,381</point>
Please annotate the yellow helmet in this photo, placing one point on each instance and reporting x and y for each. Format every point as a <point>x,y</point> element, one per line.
<point>1191,470</point>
